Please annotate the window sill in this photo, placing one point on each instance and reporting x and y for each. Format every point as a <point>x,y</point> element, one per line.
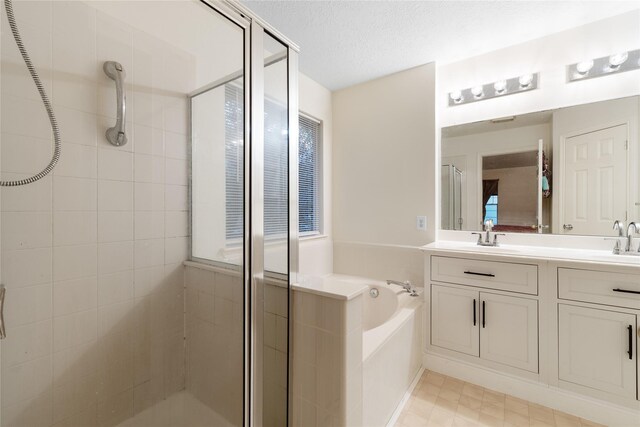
<point>313,237</point>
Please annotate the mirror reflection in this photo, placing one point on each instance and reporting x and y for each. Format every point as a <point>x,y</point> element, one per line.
<point>571,170</point>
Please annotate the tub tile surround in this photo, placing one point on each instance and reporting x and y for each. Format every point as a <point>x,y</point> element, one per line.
<point>439,400</point>
<point>351,367</point>
<point>327,360</point>
<point>548,301</point>
<point>98,244</point>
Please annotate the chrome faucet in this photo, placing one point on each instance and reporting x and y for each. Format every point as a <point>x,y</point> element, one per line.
<point>632,229</point>
<point>488,226</point>
<point>629,244</point>
<point>406,285</point>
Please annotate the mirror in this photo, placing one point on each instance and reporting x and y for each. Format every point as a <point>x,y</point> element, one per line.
<point>571,170</point>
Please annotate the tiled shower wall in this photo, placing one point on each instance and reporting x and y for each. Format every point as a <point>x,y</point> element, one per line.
<point>92,255</point>
<point>214,331</point>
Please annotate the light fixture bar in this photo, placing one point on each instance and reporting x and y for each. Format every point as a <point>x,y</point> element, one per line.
<point>496,89</point>
<point>604,66</point>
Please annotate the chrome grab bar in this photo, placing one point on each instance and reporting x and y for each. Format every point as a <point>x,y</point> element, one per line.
<point>116,134</point>
<point>3,292</point>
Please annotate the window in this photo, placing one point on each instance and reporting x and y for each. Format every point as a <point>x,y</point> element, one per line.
<point>491,209</point>
<point>308,176</point>
<point>275,170</point>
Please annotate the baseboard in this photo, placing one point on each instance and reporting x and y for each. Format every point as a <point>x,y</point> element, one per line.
<point>405,399</point>
<point>552,397</point>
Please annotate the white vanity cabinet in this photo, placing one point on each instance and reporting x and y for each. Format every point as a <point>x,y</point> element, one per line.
<point>467,317</point>
<point>597,349</point>
<point>537,324</point>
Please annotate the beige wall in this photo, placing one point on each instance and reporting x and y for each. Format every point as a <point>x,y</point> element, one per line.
<point>518,195</point>
<point>316,254</point>
<point>383,171</point>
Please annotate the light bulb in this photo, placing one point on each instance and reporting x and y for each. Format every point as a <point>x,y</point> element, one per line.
<point>617,59</point>
<point>456,96</point>
<point>525,80</point>
<point>500,87</point>
<point>584,67</point>
<point>477,91</point>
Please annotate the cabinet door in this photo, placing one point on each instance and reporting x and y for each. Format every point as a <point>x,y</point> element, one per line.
<point>596,349</point>
<point>509,330</point>
<point>454,319</point>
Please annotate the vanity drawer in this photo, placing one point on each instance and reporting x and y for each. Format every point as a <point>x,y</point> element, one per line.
<point>505,276</point>
<point>600,287</point>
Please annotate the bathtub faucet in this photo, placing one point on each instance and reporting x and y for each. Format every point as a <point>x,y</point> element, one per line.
<point>406,285</point>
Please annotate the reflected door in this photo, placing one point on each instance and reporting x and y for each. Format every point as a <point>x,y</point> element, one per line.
<point>595,188</point>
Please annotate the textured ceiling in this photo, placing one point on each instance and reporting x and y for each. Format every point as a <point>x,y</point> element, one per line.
<point>347,42</point>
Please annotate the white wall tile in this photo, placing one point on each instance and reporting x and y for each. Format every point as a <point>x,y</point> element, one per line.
<point>24,154</point>
<point>149,253</point>
<point>149,224</point>
<point>33,197</point>
<point>149,197</point>
<point>149,140</point>
<point>74,194</point>
<point>21,116</point>
<point>27,342</point>
<point>176,224</point>
<point>71,262</point>
<point>74,228</point>
<point>29,304</point>
<point>27,267</point>
<point>26,380</point>
<point>176,146</point>
<point>115,195</point>
<point>176,249</point>
<point>115,226</point>
<point>77,160</point>
<point>115,287</point>
<point>26,230</point>
<point>75,329</point>
<point>79,127</point>
<point>176,197</point>
<point>114,257</point>
<point>114,164</point>
<point>176,172</point>
<point>149,168</point>
<point>75,295</point>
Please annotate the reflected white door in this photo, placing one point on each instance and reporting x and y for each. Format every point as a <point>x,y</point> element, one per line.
<point>595,184</point>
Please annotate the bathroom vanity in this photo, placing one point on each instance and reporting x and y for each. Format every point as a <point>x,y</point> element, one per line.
<point>558,327</point>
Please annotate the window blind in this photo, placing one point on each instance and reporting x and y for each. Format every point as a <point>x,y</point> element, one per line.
<point>308,176</point>
<point>276,182</point>
<point>234,161</point>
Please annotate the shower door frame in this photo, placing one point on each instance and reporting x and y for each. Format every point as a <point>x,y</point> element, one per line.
<point>254,31</point>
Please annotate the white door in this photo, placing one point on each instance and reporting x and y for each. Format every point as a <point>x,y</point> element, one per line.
<point>455,319</point>
<point>595,181</point>
<point>596,349</point>
<point>509,330</point>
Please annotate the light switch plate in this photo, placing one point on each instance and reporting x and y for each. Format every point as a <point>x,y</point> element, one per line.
<point>421,223</point>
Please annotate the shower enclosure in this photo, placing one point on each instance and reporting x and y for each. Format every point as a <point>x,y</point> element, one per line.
<point>451,198</point>
<point>148,275</point>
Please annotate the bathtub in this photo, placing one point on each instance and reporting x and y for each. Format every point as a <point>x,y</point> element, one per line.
<point>391,349</point>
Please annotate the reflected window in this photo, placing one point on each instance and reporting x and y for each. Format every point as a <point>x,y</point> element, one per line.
<point>491,209</point>
<point>309,176</point>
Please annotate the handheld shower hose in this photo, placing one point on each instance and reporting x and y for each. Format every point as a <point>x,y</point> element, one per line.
<point>45,100</point>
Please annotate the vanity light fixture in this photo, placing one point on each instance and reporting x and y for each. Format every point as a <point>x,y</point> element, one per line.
<point>456,97</point>
<point>477,91</point>
<point>498,88</point>
<point>604,66</point>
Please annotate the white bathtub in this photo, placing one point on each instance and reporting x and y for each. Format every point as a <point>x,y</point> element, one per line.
<point>391,350</point>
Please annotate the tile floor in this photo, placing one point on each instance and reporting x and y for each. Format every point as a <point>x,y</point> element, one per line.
<point>179,410</point>
<point>442,401</point>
